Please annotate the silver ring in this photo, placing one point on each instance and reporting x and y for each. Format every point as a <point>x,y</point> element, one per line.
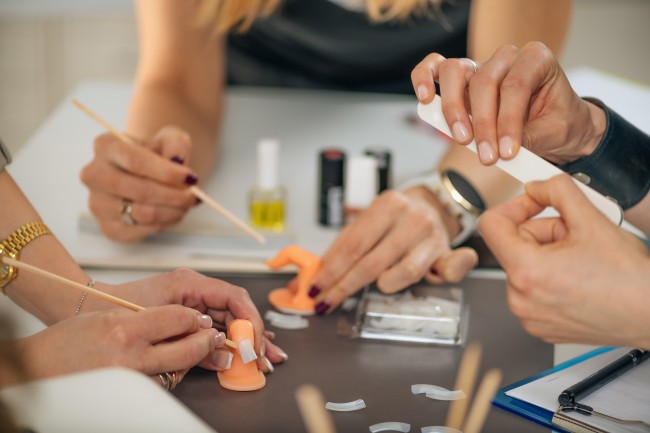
<point>126,213</point>
<point>471,62</point>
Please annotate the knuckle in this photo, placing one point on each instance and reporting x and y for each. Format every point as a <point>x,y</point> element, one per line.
<point>411,272</point>
<point>392,201</point>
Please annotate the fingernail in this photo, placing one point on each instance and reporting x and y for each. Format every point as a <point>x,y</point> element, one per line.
<point>314,291</point>
<point>198,201</point>
<point>205,321</point>
<point>269,334</point>
<point>485,153</point>
<point>506,147</point>
<point>219,339</point>
<point>191,179</point>
<point>178,159</point>
<point>423,92</point>
<point>459,131</point>
<point>222,359</point>
<point>269,365</point>
<point>433,270</point>
<point>322,307</point>
<point>283,355</point>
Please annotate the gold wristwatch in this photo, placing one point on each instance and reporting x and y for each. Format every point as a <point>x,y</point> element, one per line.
<point>12,245</point>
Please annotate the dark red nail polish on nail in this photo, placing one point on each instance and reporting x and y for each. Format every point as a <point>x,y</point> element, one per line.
<point>322,307</point>
<point>191,179</point>
<point>178,159</point>
<point>434,271</point>
<point>314,291</point>
<point>198,201</point>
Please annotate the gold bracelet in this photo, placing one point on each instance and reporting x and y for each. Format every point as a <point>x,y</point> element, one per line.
<point>11,246</point>
<point>90,285</point>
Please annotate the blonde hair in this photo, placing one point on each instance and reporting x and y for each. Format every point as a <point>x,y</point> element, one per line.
<point>238,15</point>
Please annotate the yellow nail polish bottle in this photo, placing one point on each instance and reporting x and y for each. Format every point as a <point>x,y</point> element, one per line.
<point>267,198</point>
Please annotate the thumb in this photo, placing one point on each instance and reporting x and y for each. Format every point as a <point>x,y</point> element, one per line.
<point>452,266</point>
<point>172,143</point>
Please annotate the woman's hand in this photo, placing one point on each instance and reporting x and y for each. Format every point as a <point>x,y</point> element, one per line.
<point>400,238</point>
<point>576,278</point>
<point>152,176</point>
<point>152,341</point>
<point>519,97</point>
<point>218,299</point>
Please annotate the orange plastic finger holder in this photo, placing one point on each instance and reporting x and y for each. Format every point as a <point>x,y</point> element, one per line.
<point>240,376</point>
<point>308,265</point>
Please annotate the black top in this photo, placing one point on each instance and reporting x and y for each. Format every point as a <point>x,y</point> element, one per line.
<point>318,44</point>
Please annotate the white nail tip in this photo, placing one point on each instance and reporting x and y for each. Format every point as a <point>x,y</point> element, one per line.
<point>391,426</point>
<point>286,321</point>
<point>246,351</point>
<point>439,429</point>
<point>346,407</point>
<point>437,392</point>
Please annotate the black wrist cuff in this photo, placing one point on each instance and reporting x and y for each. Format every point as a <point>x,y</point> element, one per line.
<point>620,166</point>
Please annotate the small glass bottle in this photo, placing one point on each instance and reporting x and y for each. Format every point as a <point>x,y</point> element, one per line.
<point>267,198</point>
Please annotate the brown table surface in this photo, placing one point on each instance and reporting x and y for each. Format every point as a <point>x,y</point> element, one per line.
<point>379,372</point>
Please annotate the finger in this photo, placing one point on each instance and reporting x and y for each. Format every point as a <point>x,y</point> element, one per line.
<point>117,231</point>
<point>218,360</point>
<point>455,264</point>
<point>410,268</point>
<point>172,143</point>
<point>563,194</point>
<point>544,230</point>
<point>110,180</point>
<point>454,76</point>
<point>104,206</point>
<point>358,238</point>
<point>424,76</point>
<point>531,70</point>
<point>182,353</point>
<point>484,100</point>
<point>388,252</point>
<point>219,296</point>
<point>499,227</point>
<point>143,162</point>
<point>274,353</point>
<point>168,321</point>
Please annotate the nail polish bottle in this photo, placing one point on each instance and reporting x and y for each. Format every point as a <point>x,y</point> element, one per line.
<point>267,198</point>
<point>331,186</point>
<point>383,157</point>
<point>360,185</point>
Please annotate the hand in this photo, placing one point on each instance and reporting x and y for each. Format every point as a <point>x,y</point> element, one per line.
<point>576,278</point>
<point>152,341</point>
<point>218,299</point>
<point>400,238</point>
<point>152,176</point>
<point>520,97</point>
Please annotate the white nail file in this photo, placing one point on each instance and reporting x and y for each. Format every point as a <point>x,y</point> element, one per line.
<point>526,166</point>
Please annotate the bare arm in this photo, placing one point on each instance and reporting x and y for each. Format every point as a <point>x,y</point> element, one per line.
<point>180,78</point>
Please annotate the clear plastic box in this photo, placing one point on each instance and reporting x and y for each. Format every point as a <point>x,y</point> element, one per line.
<point>422,314</point>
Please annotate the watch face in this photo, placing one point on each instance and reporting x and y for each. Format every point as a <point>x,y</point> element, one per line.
<point>6,271</point>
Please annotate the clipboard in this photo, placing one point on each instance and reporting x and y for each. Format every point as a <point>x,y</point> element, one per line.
<point>533,412</point>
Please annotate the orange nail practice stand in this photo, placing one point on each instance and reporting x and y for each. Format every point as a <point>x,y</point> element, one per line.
<point>308,265</point>
<point>240,376</point>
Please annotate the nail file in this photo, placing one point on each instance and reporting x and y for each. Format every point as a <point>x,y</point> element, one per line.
<point>526,166</point>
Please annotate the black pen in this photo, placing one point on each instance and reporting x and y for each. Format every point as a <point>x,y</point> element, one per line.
<point>603,376</point>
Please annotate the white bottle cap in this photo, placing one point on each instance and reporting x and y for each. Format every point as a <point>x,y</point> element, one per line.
<point>268,161</point>
<point>360,181</point>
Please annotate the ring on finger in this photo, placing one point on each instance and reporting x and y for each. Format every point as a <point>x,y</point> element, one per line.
<point>170,379</point>
<point>126,213</point>
<point>471,62</point>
